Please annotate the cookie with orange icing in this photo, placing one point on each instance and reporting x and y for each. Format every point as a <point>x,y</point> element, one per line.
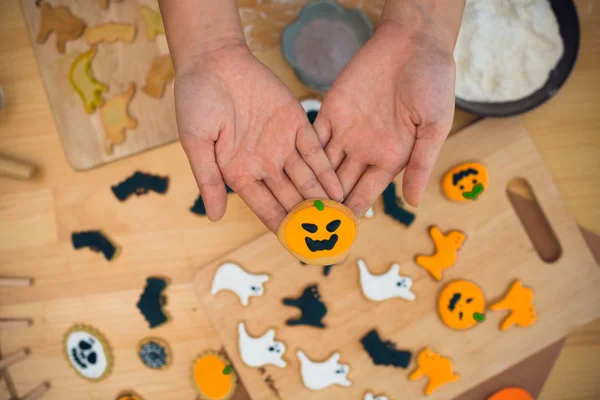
<point>319,232</point>
<point>438,369</point>
<point>519,300</point>
<point>511,393</point>
<point>213,377</point>
<point>465,182</point>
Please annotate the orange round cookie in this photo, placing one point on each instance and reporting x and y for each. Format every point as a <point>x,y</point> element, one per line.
<point>511,393</point>
<point>319,232</point>
<point>213,377</point>
<point>465,182</point>
<point>461,305</point>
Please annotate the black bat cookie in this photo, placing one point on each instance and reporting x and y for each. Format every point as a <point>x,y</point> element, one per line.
<point>384,353</point>
<point>312,308</point>
<point>199,208</point>
<point>326,268</point>
<point>140,183</point>
<point>97,241</point>
<point>392,206</point>
<point>152,301</point>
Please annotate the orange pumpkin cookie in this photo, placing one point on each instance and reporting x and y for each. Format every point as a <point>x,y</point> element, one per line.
<point>60,21</point>
<point>465,182</point>
<point>445,256</point>
<point>110,32</point>
<point>84,82</point>
<point>519,300</point>
<point>438,369</point>
<point>511,393</point>
<point>319,232</point>
<point>461,305</point>
<point>129,395</point>
<point>115,118</point>
<point>213,377</point>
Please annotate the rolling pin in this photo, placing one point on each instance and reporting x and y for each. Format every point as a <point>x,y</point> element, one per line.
<point>15,169</point>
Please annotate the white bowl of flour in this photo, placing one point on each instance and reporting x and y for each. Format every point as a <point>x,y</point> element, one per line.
<point>513,55</point>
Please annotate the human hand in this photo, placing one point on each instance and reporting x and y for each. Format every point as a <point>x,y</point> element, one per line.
<point>391,107</point>
<point>239,124</point>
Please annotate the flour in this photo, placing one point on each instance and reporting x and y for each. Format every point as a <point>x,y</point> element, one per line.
<point>505,49</point>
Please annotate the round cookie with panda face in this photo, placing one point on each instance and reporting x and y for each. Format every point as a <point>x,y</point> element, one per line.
<point>88,352</point>
<point>319,232</point>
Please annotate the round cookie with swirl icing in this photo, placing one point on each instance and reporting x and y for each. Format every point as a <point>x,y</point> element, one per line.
<point>319,232</point>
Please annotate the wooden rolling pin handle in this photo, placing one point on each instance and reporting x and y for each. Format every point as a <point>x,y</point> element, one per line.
<point>15,169</point>
<point>37,392</point>
<point>13,358</point>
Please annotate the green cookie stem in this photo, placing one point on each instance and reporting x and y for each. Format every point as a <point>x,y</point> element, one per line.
<point>319,205</point>
<point>473,194</point>
<point>478,317</point>
<point>227,370</point>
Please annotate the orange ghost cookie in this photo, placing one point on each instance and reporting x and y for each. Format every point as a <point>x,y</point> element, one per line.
<point>519,300</point>
<point>319,232</point>
<point>511,393</point>
<point>465,182</point>
<point>461,305</point>
<point>110,32</point>
<point>161,72</point>
<point>213,377</point>
<point>445,256</point>
<point>84,82</point>
<point>60,21</point>
<point>438,369</point>
<point>115,118</point>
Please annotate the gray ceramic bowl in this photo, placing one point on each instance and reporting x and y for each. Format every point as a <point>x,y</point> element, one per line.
<point>353,18</point>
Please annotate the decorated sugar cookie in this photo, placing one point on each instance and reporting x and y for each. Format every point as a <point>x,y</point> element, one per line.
<point>386,286</point>
<point>446,251</point>
<point>465,182</point>
<point>393,206</point>
<point>262,350</point>
<point>129,395</point>
<point>88,352</point>
<point>232,277</point>
<point>384,352</point>
<point>213,377</point>
<point>312,308</point>
<point>511,393</point>
<point>153,300</point>
<point>155,353</point>
<point>461,305</point>
<point>85,84</point>
<point>321,375</point>
<point>311,108</point>
<point>438,369</point>
<point>319,232</point>
<point>519,300</point>
<point>370,213</point>
<point>140,183</point>
<point>96,241</point>
<point>371,396</point>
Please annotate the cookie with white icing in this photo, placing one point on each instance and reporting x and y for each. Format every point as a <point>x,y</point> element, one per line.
<point>386,286</point>
<point>262,350</point>
<point>234,278</point>
<point>321,375</point>
<point>371,396</point>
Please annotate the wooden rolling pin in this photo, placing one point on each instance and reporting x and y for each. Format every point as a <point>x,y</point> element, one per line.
<point>15,169</point>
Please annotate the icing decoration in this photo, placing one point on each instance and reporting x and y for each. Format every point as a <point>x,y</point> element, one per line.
<point>319,232</point>
<point>84,83</point>
<point>161,73</point>
<point>370,213</point>
<point>232,277</point>
<point>110,32</point>
<point>385,286</point>
<point>321,375</point>
<point>262,350</point>
<point>155,353</point>
<point>115,118</point>
<point>465,182</point>
<point>153,300</point>
<point>519,300</point>
<point>96,241</point>
<point>104,3</point>
<point>311,107</point>
<point>371,396</point>
<point>199,209</point>
<point>461,305</point>
<point>446,249</point>
<point>88,352</point>
<point>312,308</point>
<point>210,379</point>
<point>384,353</point>
<point>392,206</point>
<point>60,21</point>
<point>129,395</point>
<point>154,23</point>
<point>511,393</point>
<point>438,369</point>
<point>140,183</point>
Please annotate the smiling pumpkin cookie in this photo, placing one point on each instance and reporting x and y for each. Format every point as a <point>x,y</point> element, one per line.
<point>319,232</point>
<point>465,182</point>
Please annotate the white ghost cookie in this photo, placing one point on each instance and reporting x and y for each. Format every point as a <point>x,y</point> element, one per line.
<point>370,213</point>
<point>260,351</point>
<point>88,352</point>
<point>371,396</point>
<point>321,375</point>
<point>232,277</point>
<point>385,286</point>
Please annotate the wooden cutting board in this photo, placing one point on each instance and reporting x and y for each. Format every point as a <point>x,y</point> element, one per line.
<point>497,252</point>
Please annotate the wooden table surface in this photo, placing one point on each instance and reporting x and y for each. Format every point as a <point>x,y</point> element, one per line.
<point>160,236</point>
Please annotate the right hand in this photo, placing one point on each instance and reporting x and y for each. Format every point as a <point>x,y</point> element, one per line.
<point>240,125</point>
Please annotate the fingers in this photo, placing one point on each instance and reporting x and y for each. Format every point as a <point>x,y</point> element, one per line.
<point>417,172</point>
<point>312,153</point>
<point>260,200</point>
<point>335,153</point>
<point>284,190</point>
<point>303,177</point>
<point>349,173</point>
<point>371,184</point>
<point>201,154</point>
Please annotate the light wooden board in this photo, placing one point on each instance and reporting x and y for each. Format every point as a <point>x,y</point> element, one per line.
<point>496,252</point>
<point>116,65</point>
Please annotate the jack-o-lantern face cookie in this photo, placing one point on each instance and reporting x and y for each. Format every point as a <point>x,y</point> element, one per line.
<point>465,182</point>
<point>319,232</point>
<point>461,305</point>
